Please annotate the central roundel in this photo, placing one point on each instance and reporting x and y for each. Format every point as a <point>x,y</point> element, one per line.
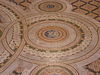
<point>52,33</point>
<point>56,36</point>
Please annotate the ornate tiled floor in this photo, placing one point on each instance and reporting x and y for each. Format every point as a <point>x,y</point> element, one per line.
<point>49,37</point>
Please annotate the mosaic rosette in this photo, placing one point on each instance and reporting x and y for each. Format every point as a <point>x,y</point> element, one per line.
<point>51,6</point>
<point>54,70</point>
<point>58,37</point>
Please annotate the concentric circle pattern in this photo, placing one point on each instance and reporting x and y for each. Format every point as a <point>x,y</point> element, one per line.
<point>50,6</point>
<point>56,36</point>
<point>63,29</point>
<point>54,70</point>
<point>49,37</point>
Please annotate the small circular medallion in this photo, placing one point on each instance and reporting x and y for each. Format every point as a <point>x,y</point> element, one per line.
<point>50,6</point>
<point>54,70</point>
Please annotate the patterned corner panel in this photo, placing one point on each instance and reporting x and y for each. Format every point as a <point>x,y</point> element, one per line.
<point>90,8</point>
<point>94,68</point>
<point>22,3</point>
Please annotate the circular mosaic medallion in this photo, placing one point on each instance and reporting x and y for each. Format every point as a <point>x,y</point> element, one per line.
<point>51,35</point>
<point>54,70</point>
<point>59,37</point>
<point>50,6</point>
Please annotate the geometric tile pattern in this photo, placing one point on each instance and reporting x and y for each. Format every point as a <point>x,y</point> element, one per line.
<point>23,3</point>
<point>49,37</point>
<point>94,67</point>
<point>90,8</point>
